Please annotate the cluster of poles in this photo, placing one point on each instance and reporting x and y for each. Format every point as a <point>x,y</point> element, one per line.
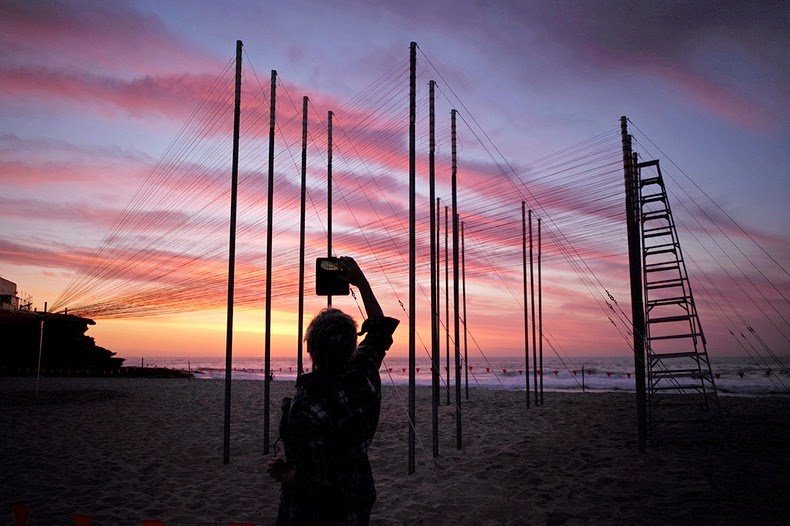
<point>638,329</point>
<point>459,282</point>
<point>131,301</point>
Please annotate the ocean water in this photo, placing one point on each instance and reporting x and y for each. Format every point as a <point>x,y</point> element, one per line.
<point>733,375</point>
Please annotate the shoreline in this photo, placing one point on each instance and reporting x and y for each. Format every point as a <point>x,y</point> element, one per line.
<point>176,373</point>
<point>734,376</point>
<point>124,450</point>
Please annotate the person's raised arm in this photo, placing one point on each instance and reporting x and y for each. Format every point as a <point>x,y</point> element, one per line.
<point>357,278</point>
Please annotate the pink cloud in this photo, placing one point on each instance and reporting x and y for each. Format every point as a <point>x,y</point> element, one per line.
<point>37,210</point>
<point>717,99</point>
<point>167,95</point>
<point>111,36</point>
<point>580,42</point>
<point>32,174</point>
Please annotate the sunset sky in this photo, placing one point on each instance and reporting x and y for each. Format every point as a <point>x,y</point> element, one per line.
<point>92,94</point>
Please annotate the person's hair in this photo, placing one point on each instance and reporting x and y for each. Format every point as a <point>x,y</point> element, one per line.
<point>331,339</point>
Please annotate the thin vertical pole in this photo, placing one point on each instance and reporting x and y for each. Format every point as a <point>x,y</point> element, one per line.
<point>447,297</point>
<point>412,247</point>
<point>300,320</point>
<point>329,116</point>
<point>532,303</point>
<point>526,297</point>
<point>267,353</point>
<point>583,389</point>
<point>540,315</point>
<point>40,349</point>
<point>456,283</point>
<point>439,285</point>
<point>463,282</point>
<point>632,221</point>
<point>434,292</point>
<point>234,177</point>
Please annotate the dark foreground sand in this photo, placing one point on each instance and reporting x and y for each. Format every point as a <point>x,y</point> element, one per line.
<point>124,450</point>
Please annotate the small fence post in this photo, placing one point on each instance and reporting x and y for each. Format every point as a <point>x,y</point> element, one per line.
<point>583,379</point>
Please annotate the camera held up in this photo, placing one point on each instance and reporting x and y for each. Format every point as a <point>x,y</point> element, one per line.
<point>330,277</point>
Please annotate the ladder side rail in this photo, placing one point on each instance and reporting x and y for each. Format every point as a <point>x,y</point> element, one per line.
<point>650,361</point>
<point>654,365</point>
<point>657,381</point>
<point>695,324</point>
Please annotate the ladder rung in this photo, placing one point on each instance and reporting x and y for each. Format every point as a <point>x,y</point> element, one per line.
<point>645,164</point>
<point>651,180</point>
<point>663,245</point>
<point>664,286</point>
<point>657,252</point>
<point>655,214</point>
<point>670,319</point>
<point>666,398</point>
<point>670,355</point>
<point>678,388</point>
<point>664,283</point>
<point>661,264</point>
<point>679,300</point>
<point>681,382</point>
<point>652,198</point>
<point>657,232</point>
<point>676,373</point>
<point>674,336</point>
<point>660,267</point>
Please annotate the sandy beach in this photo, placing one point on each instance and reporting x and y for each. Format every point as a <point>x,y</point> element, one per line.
<point>125,450</point>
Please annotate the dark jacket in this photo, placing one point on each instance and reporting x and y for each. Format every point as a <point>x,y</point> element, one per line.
<point>326,430</point>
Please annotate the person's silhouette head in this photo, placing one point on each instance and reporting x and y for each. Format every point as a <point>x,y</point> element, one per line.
<point>331,340</point>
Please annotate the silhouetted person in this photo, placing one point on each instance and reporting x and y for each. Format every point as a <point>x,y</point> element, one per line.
<point>330,422</point>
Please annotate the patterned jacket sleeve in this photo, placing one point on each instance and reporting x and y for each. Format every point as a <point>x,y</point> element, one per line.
<point>377,341</point>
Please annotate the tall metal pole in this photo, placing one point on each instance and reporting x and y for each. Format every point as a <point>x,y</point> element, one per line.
<point>540,315</point>
<point>463,282</point>
<point>40,351</point>
<point>439,285</point>
<point>329,116</point>
<point>267,353</point>
<point>526,297</point>
<point>632,221</point>
<point>456,283</point>
<point>447,296</point>
<point>300,320</point>
<point>532,303</point>
<point>434,292</point>
<point>412,246</point>
<point>234,178</point>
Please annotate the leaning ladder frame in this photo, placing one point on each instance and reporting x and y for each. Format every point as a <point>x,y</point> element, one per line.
<point>661,377</point>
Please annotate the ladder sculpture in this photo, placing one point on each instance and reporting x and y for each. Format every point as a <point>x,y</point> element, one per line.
<point>681,392</point>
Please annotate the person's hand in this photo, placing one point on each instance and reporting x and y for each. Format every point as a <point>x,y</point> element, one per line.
<point>357,278</point>
<point>352,271</point>
<point>281,471</point>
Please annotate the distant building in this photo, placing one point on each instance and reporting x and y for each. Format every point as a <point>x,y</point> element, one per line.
<point>8,298</point>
